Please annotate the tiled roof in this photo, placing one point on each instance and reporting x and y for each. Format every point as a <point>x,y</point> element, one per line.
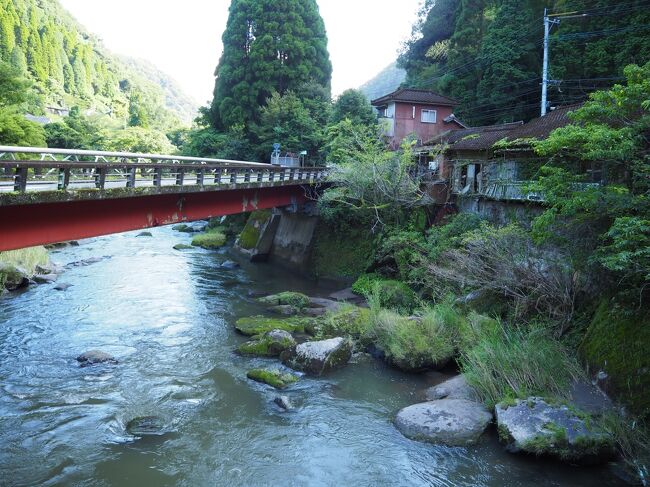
<point>475,138</point>
<point>541,127</point>
<point>411,95</point>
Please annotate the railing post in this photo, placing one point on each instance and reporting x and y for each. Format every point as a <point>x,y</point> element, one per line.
<point>180,176</point>
<point>292,174</point>
<point>200,175</point>
<point>64,178</point>
<point>20,182</point>
<point>282,174</point>
<point>260,175</point>
<point>233,177</point>
<point>157,176</point>
<point>100,177</point>
<point>247,175</point>
<point>217,175</point>
<point>130,178</point>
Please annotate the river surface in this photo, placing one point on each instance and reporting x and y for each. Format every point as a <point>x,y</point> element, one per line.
<point>168,317</point>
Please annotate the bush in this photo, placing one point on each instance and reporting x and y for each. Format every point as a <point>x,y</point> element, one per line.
<point>209,240</point>
<point>516,363</point>
<point>395,295</point>
<point>363,285</point>
<point>413,344</point>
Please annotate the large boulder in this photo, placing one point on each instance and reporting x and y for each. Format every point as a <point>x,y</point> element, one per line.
<point>453,422</point>
<point>13,278</point>
<point>271,344</point>
<point>319,357</point>
<point>288,298</point>
<point>454,388</point>
<point>534,426</point>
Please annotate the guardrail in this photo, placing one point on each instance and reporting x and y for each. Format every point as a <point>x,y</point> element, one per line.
<point>51,173</point>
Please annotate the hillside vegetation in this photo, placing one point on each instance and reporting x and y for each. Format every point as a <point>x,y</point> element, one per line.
<point>69,67</point>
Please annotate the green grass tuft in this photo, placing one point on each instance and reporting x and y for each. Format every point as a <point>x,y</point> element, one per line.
<point>273,378</point>
<point>26,259</point>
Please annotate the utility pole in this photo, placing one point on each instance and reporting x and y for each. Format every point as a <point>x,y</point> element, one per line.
<point>547,30</point>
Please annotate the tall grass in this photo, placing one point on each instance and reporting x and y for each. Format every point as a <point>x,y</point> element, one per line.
<point>409,342</point>
<point>508,362</point>
<point>27,258</point>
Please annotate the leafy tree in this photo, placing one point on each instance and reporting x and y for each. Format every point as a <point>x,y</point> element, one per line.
<point>207,142</point>
<point>353,105</point>
<point>15,97</point>
<point>74,132</point>
<point>286,120</point>
<point>138,139</point>
<point>268,47</point>
<point>610,136</point>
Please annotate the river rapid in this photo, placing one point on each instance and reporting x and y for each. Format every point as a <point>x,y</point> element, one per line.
<point>168,317</point>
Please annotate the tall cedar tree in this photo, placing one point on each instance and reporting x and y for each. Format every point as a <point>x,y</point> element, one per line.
<point>269,46</point>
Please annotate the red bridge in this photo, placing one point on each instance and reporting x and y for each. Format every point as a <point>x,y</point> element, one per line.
<point>54,195</point>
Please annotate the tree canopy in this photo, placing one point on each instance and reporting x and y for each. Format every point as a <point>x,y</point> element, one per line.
<point>353,105</point>
<point>268,47</point>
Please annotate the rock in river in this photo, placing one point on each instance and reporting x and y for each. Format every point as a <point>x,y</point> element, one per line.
<point>257,325</point>
<point>12,278</point>
<point>318,357</point>
<point>454,388</point>
<point>534,426</point>
<point>93,357</point>
<point>275,378</point>
<point>283,402</point>
<point>271,344</point>
<point>62,287</point>
<point>229,264</point>
<point>145,426</point>
<point>453,422</point>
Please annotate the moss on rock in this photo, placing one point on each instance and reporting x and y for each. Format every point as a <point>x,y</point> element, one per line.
<point>617,344</point>
<point>275,378</point>
<point>209,240</point>
<point>181,246</point>
<point>258,325</point>
<point>251,232</point>
<point>271,344</point>
<point>288,298</point>
<point>183,227</point>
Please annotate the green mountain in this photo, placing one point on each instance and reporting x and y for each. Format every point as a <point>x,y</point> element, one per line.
<point>70,67</point>
<point>386,81</point>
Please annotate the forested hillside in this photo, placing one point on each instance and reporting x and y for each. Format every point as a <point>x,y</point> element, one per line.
<point>69,67</point>
<point>387,80</point>
<point>488,53</point>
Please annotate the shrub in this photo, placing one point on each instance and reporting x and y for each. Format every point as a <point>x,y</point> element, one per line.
<point>511,362</point>
<point>349,320</point>
<point>505,261</point>
<point>209,240</point>
<point>364,283</point>
<point>395,295</point>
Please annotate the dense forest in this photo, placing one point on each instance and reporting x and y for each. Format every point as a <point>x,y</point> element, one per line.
<point>69,67</point>
<point>488,53</point>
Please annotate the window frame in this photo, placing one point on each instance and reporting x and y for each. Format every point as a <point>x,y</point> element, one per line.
<point>435,115</point>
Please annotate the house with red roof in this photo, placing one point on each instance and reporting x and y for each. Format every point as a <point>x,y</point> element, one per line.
<point>408,111</point>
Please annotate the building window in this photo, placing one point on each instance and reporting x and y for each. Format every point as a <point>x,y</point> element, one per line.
<point>429,116</point>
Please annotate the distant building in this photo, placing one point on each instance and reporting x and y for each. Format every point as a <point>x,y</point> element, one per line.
<point>60,111</point>
<point>409,111</point>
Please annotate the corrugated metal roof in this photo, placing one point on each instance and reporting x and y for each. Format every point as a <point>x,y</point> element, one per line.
<point>541,127</point>
<point>412,95</point>
<point>474,135</point>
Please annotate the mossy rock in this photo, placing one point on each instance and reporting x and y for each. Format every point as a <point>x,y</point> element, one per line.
<point>275,378</point>
<point>250,235</point>
<point>12,277</point>
<point>395,295</point>
<point>183,227</point>
<point>209,240</point>
<point>271,344</point>
<point>144,234</point>
<point>617,344</point>
<point>287,298</point>
<point>181,246</point>
<point>258,325</point>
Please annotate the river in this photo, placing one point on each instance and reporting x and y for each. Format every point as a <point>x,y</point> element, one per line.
<point>168,316</point>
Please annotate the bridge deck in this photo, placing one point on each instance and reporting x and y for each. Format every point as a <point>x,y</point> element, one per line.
<point>76,194</point>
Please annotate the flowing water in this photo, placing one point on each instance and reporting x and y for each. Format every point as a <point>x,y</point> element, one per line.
<point>168,317</point>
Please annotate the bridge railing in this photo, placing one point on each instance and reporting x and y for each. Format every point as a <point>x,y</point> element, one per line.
<point>13,153</point>
<point>49,175</point>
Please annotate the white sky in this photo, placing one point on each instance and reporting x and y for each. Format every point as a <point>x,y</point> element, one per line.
<point>183,38</point>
